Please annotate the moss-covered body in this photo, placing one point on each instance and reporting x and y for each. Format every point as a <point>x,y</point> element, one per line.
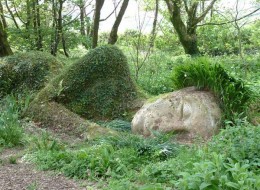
<point>98,86</point>
<point>30,70</point>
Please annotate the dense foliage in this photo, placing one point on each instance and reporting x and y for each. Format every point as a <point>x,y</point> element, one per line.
<point>232,93</point>
<point>97,86</point>
<point>30,71</point>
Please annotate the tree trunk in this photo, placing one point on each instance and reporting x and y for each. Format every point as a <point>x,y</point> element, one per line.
<point>54,27</point>
<point>58,25</point>
<point>187,33</point>
<point>99,5</point>
<point>39,32</point>
<point>2,16</point>
<point>82,18</point>
<point>113,34</point>
<point>11,14</point>
<point>153,33</point>
<point>5,49</point>
<point>28,15</point>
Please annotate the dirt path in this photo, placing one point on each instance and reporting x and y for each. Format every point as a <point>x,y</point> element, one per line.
<point>18,175</point>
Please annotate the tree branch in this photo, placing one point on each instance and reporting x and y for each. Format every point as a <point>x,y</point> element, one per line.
<point>235,20</point>
<point>111,12</point>
<point>201,17</point>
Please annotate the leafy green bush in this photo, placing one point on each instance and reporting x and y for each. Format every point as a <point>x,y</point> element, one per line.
<point>233,94</point>
<point>218,174</point>
<point>11,132</point>
<point>30,70</point>
<point>240,143</point>
<point>231,161</point>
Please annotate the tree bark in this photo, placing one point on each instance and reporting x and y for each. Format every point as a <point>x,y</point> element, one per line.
<point>113,34</point>
<point>54,27</point>
<point>5,49</point>
<point>39,32</point>
<point>82,18</point>
<point>2,16</point>
<point>58,24</point>
<point>99,5</point>
<point>153,33</point>
<point>187,33</point>
<point>11,14</point>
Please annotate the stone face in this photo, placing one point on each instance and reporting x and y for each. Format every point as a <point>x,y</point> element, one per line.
<point>188,110</point>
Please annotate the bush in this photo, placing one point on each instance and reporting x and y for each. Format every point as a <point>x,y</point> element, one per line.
<point>30,70</point>
<point>234,96</point>
<point>231,161</point>
<point>11,132</point>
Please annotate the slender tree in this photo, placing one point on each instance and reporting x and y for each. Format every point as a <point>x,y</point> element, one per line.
<point>98,7</point>
<point>2,17</point>
<point>113,34</point>
<point>153,33</point>
<point>5,49</point>
<point>58,28</point>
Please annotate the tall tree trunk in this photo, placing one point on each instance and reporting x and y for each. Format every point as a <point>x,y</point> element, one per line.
<point>99,5</point>
<point>113,34</point>
<point>54,27</point>
<point>58,25</point>
<point>11,14</point>
<point>39,32</point>
<point>2,16</point>
<point>153,33</point>
<point>5,49</point>
<point>37,24</point>
<point>28,14</point>
<point>60,28</point>
<point>82,18</point>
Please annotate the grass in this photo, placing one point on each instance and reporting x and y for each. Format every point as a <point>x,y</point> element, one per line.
<point>11,133</point>
<point>233,93</point>
<point>229,161</point>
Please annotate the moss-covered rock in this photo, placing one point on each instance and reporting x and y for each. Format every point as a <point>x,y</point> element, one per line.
<point>30,70</point>
<point>98,86</point>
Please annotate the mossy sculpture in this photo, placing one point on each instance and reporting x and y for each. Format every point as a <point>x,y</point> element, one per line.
<point>97,87</point>
<point>30,71</point>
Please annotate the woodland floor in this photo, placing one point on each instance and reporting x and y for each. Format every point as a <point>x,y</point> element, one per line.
<point>22,175</point>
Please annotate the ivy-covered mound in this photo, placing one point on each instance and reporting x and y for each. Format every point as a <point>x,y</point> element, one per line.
<point>98,86</point>
<point>30,70</point>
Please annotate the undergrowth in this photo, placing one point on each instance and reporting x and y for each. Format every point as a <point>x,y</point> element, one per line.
<point>114,157</point>
<point>11,108</point>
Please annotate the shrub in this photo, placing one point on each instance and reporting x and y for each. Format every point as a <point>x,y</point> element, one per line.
<point>230,161</point>
<point>30,70</point>
<point>11,133</point>
<point>233,94</point>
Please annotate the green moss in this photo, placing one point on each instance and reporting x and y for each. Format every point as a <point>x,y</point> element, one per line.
<point>98,86</point>
<point>61,120</point>
<point>30,70</point>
